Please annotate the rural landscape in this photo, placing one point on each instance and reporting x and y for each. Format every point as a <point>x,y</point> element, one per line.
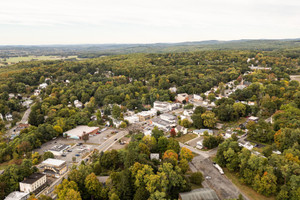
<point>150,100</point>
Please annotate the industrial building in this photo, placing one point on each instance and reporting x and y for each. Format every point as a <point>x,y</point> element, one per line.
<point>79,131</point>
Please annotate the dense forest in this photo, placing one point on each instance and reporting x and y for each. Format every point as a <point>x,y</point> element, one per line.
<point>135,81</point>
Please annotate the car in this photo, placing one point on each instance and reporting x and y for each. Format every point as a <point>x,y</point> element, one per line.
<point>69,150</point>
<point>63,155</point>
<point>116,131</point>
<point>256,145</point>
<point>77,154</point>
<point>116,139</point>
<point>207,177</point>
<point>105,138</point>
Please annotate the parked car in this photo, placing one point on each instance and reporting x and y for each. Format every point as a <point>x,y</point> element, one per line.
<point>69,150</point>
<point>207,177</point>
<point>63,155</point>
<point>116,139</point>
<point>77,155</point>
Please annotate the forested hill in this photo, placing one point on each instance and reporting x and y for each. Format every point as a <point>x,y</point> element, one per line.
<point>291,46</point>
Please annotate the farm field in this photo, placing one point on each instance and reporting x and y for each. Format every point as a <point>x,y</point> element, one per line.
<point>13,60</point>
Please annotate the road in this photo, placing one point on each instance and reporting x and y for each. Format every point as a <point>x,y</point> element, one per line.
<point>102,147</point>
<point>224,188</point>
<point>24,120</point>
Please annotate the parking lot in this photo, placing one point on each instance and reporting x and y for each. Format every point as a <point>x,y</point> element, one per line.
<point>78,148</point>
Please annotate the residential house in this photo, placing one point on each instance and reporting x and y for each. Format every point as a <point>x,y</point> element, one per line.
<point>183,97</point>
<point>246,145</point>
<point>37,92</point>
<point>188,112</point>
<point>181,129</point>
<point>77,104</point>
<point>201,131</point>
<point>252,118</point>
<point>9,117</point>
<point>197,97</point>
<point>154,156</point>
<point>173,89</point>
<point>43,86</point>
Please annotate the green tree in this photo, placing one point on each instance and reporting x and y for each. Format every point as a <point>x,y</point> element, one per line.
<point>93,186</point>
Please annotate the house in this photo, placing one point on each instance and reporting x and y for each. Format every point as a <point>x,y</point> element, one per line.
<point>241,87</point>
<point>43,86</point>
<point>168,117</point>
<point>197,97</point>
<point>27,103</point>
<point>246,145</point>
<point>132,119</point>
<point>11,95</point>
<point>16,195</point>
<point>117,122</point>
<point>37,92</point>
<point>276,152</point>
<point>154,156</point>
<point>146,115</point>
<point>201,131</point>
<point>9,117</point>
<point>188,112</point>
<point>79,131</point>
<point>53,167</point>
<point>147,132</point>
<point>59,149</point>
<point>252,118</point>
<point>173,89</point>
<point>251,103</point>
<point>33,183</point>
<point>252,67</point>
<point>77,104</point>
<point>103,179</point>
<point>182,98</point>
<point>199,194</point>
<point>181,129</point>
<point>228,134</point>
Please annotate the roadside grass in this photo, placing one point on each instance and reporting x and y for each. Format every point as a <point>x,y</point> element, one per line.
<point>248,191</point>
<point>185,138</point>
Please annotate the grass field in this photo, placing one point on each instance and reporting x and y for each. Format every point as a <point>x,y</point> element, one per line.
<point>185,138</point>
<point>249,192</point>
<point>13,60</point>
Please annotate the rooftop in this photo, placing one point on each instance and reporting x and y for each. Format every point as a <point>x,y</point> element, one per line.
<point>16,195</point>
<point>33,178</point>
<point>78,131</point>
<point>54,162</point>
<point>200,194</point>
<point>59,147</point>
<point>203,130</point>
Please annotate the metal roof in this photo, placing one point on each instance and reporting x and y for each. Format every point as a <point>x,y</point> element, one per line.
<point>54,162</point>
<point>199,194</point>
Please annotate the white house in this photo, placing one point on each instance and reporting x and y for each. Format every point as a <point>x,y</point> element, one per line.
<point>37,92</point>
<point>154,156</point>
<point>33,182</point>
<point>198,97</point>
<point>246,145</point>
<point>132,119</point>
<point>182,97</point>
<point>181,129</point>
<point>201,131</point>
<point>43,85</point>
<point>77,104</point>
<point>188,112</point>
<point>9,117</point>
<point>161,106</point>
<point>173,89</point>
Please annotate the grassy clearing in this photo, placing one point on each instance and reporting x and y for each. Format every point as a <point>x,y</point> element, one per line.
<point>234,124</point>
<point>11,162</point>
<point>185,138</point>
<point>249,192</point>
<point>12,60</point>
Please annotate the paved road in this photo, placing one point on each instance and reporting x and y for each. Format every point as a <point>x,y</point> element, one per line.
<point>103,147</point>
<point>24,120</point>
<point>224,188</point>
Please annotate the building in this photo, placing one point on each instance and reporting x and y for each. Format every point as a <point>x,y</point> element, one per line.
<point>181,129</point>
<point>27,103</point>
<point>161,106</point>
<point>246,145</point>
<point>182,98</point>
<point>173,89</point>
<point>241,87</point>
<point>79,131</point>
<point>132,119</point>
<point>33,183</point>
<point>154,156</point>
<point>252,118</point>
<point>197,97</point>
<point>16,195</point>
<point>43,86</point>
<point>21,127</point>
<point>161,124</point>
<point>188,112</point>
<point>168,117</point>
<point>201,131</point>
<point>59,149</point>
<point>199,194</point>
<point>103,179</point>
<point>37,92</point>
<point>9,117</point>
<point>146,115</point>
<point>53,167</point>
<point>77,104</point>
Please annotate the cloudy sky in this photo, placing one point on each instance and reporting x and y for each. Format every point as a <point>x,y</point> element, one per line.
<point>141,21</point>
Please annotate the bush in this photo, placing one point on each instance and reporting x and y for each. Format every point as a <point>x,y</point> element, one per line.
<point>196,178</point>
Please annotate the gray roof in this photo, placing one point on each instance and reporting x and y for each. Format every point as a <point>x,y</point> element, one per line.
<point>102,179</point>
<point>199,194</point>
<point>16,195</point>
<point>33,178</point>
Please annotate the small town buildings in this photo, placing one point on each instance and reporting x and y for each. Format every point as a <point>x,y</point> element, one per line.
<point>161,124</point>
<point>37,92</point>
<point>16,195</point>
<point>183,97</point>
<point>199,194</point>
<point>161,106</point>
<point>132,119</point>
<point>188,112</point>
<point>252,118</point>
<point>173,89</point>
<point>79,131</point>
<point>117,123</point>
<point>77,104</point>
<point>27,103</point>
<point>246,145</point>
<point>197,97</point>
<point>53,167</point>
<point>9,117</point>
<point>181,129</point>
<point>33,183</point>
<point>168,117</point>
<point>43,86</point>
<point>201,131</point>
<point>154,156</point>
<point>146,115</point>
<point>59,149</point>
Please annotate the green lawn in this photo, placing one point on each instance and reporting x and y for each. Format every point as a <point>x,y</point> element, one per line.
<point>186,137</point>
<point>248,191</point>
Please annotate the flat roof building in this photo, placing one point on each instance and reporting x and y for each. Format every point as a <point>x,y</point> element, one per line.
<point>16,195</point>
<point>53,167</point>
<point>79,131</point>
<point>199,194</point>
<point>59,149</point>
<point>33,183</point>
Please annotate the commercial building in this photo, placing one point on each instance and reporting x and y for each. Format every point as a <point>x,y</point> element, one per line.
<point>161,124</point>
<point>132,119</point>
<point>33,183</point>
<point>199,194</point>
<point>53,167</point>
<point>79,131</point>
<point>146,115</point>
<point>161,106</point>
<point>59,149</point>
<point>16,195</point>
<point>168,117</point>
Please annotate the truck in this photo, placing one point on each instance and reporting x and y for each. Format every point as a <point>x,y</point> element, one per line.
<point>218,168</point>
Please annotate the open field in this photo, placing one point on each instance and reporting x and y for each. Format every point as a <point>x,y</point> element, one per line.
<point>185,138</point>
<point>295,77</point>
<point>13,60</point>
<point>251,194</point>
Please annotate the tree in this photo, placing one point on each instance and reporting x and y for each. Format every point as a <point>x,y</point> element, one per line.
<point>209,119</point>
<point>156,133</point>
<point>240,109</point>
<point>173,132</point>
<point>187,154</point>
<point>116,111</point>
<point>171,156</point>
<point>197,120</point>
<point>186,123</point>
<point>162,144</point>
<point>67,190</point>
<point>196,178</point>
<point>184,165</point>
<point>93,186</point>
<point>85,137</point>
<point>173,145</point>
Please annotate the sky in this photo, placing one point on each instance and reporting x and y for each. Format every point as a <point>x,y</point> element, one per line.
<point>33,22</point>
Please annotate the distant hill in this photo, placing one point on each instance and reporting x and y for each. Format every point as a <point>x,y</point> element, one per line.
<point>96,50</point>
